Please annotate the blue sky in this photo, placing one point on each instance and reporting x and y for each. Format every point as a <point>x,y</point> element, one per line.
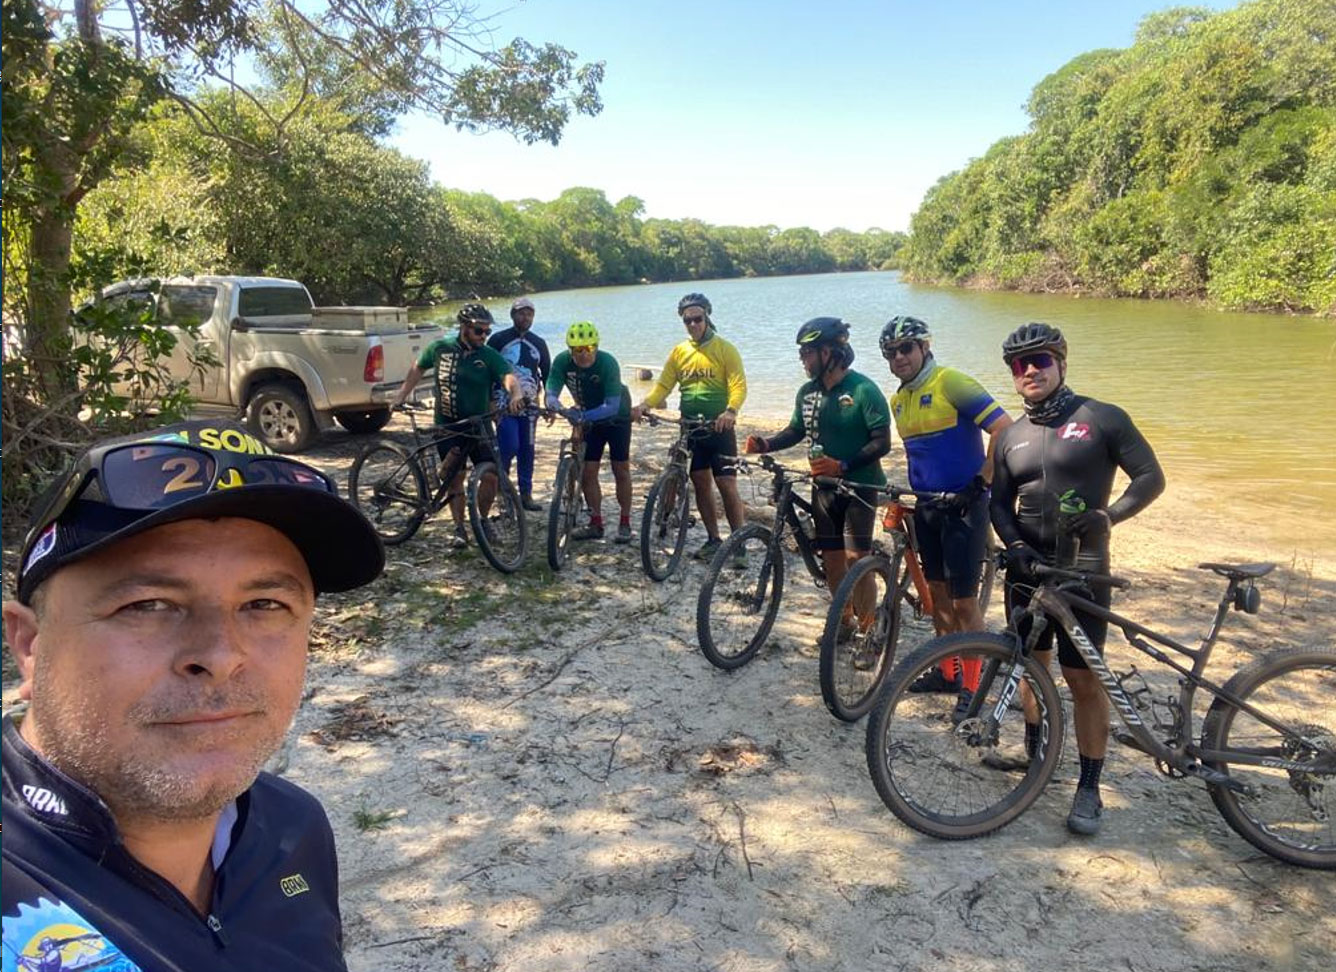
<point>744,112</point>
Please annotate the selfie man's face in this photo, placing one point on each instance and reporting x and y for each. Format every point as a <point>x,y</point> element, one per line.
<point>164,670</point>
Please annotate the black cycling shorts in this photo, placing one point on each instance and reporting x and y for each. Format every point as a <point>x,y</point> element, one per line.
<point>615,434</point>
<point>952,546</point>
<point>474,447</point>
<point>1020,588</point>
<point>842,522</point>
<point>718,451</point>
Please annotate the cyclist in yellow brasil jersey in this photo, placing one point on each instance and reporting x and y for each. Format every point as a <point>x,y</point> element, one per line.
<point>714,386</point>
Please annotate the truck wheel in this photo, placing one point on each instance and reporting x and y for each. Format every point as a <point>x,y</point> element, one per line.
<point>279,415</point>
<point>362,423</point>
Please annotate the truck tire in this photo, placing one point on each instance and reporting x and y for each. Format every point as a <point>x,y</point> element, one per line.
<point>280,416</point>
<point>363,423</point>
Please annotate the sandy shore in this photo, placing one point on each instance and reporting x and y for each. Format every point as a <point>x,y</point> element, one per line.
<point>542,772</point>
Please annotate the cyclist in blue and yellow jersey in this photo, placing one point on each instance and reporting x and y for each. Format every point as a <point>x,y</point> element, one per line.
<point>603,407</point>
<point>527,353</point>
<point>844,416</point>
<point>1052,485</point>
<point>939,413</point>
<point>714,386</point>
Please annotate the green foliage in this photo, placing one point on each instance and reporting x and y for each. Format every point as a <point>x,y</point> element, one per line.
<point>1198,162</point>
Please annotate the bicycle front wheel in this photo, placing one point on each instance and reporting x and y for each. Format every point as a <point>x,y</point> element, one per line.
<point>955,778</point>
<point>858,644</point>
<point>503,532</point>
<point>663,528</point>
<point>388,486</point>
<point>988,575</point>
<point>1288,812</point>
<point>563,511</point>
<point>740,597</point>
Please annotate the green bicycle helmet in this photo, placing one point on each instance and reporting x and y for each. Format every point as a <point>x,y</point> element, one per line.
<point>1032,337</point>
<point>582,334</point>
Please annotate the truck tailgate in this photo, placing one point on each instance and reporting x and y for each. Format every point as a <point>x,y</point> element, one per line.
<point>403,348</point>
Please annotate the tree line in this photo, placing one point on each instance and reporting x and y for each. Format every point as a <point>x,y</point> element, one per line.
<point>1198,163</point>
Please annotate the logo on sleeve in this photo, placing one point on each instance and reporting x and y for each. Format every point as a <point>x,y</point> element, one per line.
<point>52,935</point>
<point>1076,430</point>
<point>43,800</point>
<point>925,400</point>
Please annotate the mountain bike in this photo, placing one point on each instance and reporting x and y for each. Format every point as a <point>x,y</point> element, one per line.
<point>858,647</point>
<point>663,527</point>
<point>739,600</point>
<point>1267,750</point>
<point>397,489</point>
<point>564,509</point>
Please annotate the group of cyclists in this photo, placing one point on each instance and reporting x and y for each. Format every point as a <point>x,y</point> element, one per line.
<point>1043,480</point>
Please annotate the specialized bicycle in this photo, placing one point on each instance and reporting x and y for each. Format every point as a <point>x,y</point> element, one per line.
<point>1267,751</point>
<point>667,516</point>
<point>744,582</point>
<point>858,647</point>
<point>564,509</point>
<point>397,489</point>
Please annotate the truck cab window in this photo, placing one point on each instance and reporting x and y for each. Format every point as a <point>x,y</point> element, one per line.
<point>185,306</point>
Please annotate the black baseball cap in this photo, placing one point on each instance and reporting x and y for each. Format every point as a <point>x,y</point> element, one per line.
<point>123,486</point>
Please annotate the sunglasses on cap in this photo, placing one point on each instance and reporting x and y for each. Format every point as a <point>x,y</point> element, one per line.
<point>149,476</point>
<point>584,349</point>
<point>904,349</point>
<point>1041,360</point>
<point>694,319</point>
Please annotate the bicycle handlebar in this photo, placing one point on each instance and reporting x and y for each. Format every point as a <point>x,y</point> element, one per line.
<point>1097,580</point>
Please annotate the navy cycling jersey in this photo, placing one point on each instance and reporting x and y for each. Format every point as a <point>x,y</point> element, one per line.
<point>1033,465</point>
<point>527,354</point>
<point>74,897</point>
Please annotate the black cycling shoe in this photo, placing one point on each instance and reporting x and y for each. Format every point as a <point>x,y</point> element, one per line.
<point>529,503</point>
<point>935,681</point>
<point>1086,810</point>
<point>963,699</point>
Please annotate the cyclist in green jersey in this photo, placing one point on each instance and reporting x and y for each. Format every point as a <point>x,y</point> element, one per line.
<point>465,370</point>
<point>603,408</point>
<point>844,416</point>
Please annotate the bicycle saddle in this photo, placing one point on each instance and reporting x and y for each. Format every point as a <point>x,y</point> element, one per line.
<point>1239,571</point>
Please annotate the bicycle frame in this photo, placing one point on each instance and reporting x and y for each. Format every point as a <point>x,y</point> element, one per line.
<point>787,504</point>
<point>431,466</point>
<point>1056,602</point>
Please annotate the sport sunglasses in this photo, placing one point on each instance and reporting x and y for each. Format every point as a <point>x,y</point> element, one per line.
<point>152,476</point>
<point>584,349</point>
<point>694,319</point>
<point>1041,360</point>
<point>904,349</point>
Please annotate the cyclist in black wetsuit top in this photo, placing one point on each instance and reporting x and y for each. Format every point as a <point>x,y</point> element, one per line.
<point>1059,458</point>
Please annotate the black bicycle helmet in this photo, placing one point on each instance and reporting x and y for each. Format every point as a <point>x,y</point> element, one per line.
<point>823,330</point>
<point>474,314</point>
<point>1032,337</point>
<point>695,300</point>
<point>901,329</point>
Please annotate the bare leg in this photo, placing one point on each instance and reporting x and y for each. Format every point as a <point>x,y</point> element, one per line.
<point>728,489</point>
<point>703,480</point>
<point>1090,708</point>
<point>593,493</point>
<point>621,474</point>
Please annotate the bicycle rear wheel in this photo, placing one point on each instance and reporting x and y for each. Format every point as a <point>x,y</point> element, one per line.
<point>387,485</point>
<point>740,597</point>
<point>563,511</point>
<point>1290,814</point>
<point>663,528</point>
<point>956,781</point>
<point>853,669</point>
<point>503,533</point>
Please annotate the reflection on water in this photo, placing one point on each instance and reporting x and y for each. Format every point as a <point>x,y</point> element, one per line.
<point>1240,405</point>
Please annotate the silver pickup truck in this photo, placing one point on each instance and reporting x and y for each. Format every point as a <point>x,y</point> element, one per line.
<point>292,369</point>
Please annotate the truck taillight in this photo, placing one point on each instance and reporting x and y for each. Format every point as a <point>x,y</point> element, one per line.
<point>375,364</point>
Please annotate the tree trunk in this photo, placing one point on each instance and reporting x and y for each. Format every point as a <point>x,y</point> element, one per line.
<point>47,331</point>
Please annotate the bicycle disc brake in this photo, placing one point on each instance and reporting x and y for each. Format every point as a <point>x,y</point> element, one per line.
<point>1310,786</point>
